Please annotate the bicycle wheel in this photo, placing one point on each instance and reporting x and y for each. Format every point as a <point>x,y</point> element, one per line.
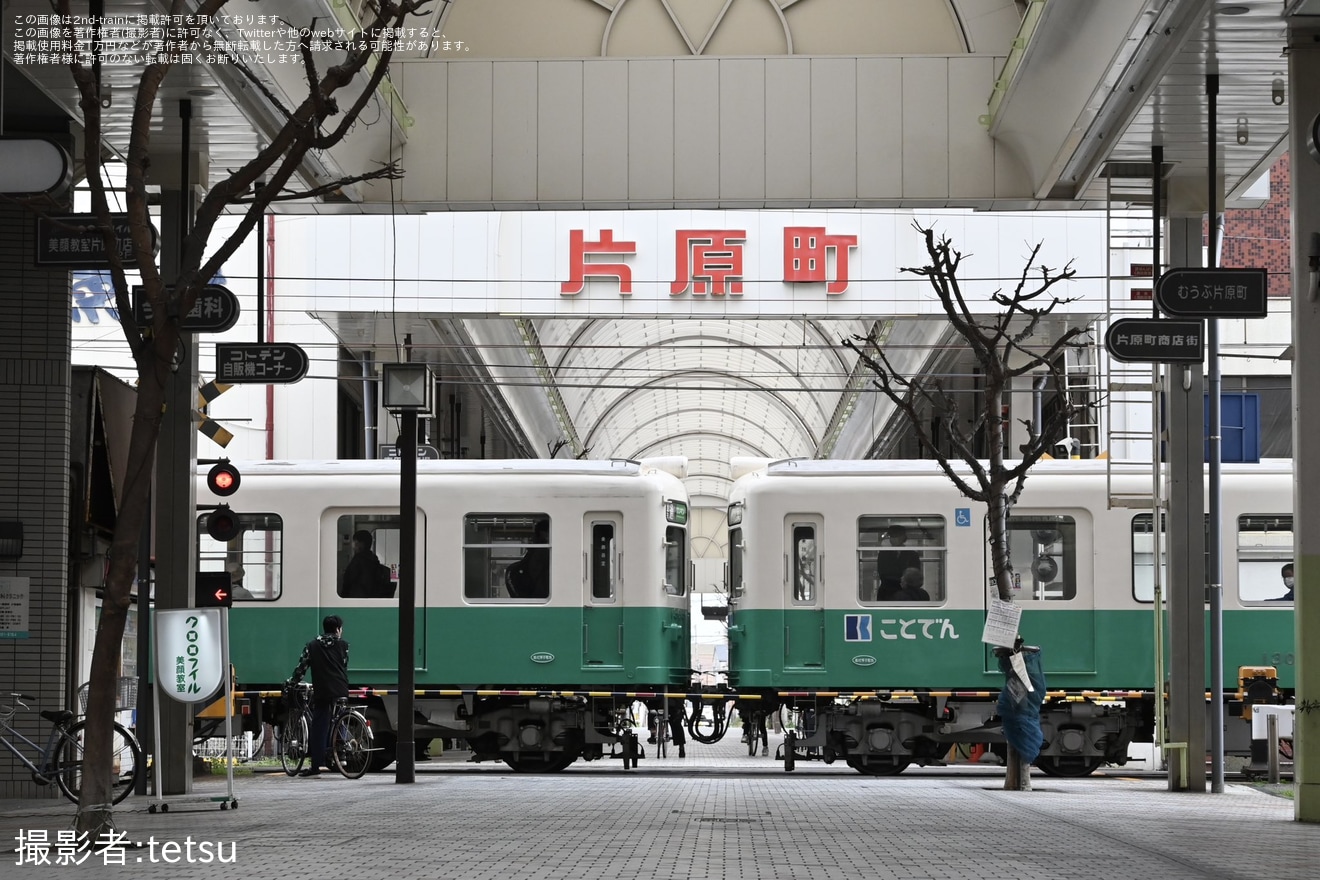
<point>126,762</point>
<point>351,745</point>
<point>293,744</point>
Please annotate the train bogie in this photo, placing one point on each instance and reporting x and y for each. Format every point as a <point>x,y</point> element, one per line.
<point>873,579</point>
<point>538,584</point>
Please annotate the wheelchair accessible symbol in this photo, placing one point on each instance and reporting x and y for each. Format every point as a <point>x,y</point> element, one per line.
<point>962,517</point>
<point>857,627</point>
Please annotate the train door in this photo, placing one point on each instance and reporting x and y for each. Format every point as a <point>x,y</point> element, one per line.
<point>370,608</point>
<point>602,608</point>
<point>804,608</point>
<point>1053,584</point>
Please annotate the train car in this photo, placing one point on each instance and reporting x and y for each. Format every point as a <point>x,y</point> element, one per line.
<point>521,671</point>
<point>822,553</point>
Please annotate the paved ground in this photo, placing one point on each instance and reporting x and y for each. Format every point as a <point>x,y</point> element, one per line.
<point>715,814</point>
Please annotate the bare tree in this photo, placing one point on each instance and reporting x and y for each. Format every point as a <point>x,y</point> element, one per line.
<point>1007,345</point>
<point>360,63</point>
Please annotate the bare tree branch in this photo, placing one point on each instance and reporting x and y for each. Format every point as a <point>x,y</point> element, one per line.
<point>392,171</point>
<point>155,348</point>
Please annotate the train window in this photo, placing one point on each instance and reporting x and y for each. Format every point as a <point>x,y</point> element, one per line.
<point>1265,546</point>
<point>367,555</point>
<point>1050,542</point>
<point>900,558</point>
<point>675,560</point>
<point>1143,557</point>
<point>735,585</point>
<point>803,559</point>
<point>254,558</point>
<point>506,556</point>
<point>602,561</point>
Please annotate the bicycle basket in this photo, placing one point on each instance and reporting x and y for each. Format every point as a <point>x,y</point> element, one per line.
<point>125,694</point>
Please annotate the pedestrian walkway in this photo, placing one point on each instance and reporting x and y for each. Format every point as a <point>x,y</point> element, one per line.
<point>713,814</point>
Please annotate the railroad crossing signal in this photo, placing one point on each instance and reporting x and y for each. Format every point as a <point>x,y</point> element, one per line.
<point>207,425</point>
<point>223,478</point>
<point>222,523</point>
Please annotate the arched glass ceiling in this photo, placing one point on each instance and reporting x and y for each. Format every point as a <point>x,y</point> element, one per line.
<point>708,390</point>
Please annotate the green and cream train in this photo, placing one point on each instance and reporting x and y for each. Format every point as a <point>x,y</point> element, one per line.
<point>537,681</point>
<point>859,591</point>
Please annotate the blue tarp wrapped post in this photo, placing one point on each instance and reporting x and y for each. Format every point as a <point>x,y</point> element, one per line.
<point>1019,708</point>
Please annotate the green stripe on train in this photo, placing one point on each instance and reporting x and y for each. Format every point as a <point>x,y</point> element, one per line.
<point>937,648</point>
<point>476,645</point>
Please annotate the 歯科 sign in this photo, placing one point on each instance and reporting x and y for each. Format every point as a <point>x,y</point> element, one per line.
<point>214,311</point>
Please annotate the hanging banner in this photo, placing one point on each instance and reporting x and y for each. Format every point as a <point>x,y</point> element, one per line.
<point>189,653</point>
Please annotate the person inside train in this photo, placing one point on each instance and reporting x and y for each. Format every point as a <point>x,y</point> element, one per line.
<point>366,576</point>
<point>236,574</point>
<point>913,586</point>
<point>529,577</point>
<point>1287,574</point>
<point>890,564</point>
<point>327,657</point>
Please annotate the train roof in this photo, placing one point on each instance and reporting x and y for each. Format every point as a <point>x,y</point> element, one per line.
<point>463,466</point>
<point>923,467</point>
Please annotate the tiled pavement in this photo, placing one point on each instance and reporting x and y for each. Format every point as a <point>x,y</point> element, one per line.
<point>715,814</point>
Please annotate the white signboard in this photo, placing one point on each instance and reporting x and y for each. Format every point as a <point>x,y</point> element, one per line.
<point>691,264</point>
<point>189,653</point>
<point>13,607</point>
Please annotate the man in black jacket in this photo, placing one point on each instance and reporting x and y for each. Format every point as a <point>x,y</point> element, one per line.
<point>365,577</point>
<point>327,657</point>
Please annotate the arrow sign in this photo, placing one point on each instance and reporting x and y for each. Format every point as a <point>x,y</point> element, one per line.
<point>259,363</point>
<point>1155,340</point>
<point>1213,293</point>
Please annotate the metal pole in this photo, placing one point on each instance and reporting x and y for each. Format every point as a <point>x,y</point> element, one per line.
<point>261,271</point>
<point>1215,575</point>
<point>405,770</point>
<point>1156,413</point>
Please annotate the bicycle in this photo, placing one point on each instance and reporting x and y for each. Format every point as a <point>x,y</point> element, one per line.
<point>351,740</point>
<point>659,732</point>
<point>61,761</point>
<point>293,738</point>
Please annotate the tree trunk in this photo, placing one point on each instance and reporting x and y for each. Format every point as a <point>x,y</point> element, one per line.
<point>95,806</point>
<point>1017,772</point>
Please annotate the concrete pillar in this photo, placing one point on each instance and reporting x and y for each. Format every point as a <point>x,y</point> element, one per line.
<point>176,509</point>
<point>1304,107</point>
<point>1185,525</point>
<point>35,342</point>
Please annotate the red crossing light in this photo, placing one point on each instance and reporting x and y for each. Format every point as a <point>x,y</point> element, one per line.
<point>223,479</point>
<point>222,524</point>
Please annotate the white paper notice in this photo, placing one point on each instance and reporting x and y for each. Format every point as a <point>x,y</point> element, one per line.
<point>1020,667</point>
<point>1001,623</point>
